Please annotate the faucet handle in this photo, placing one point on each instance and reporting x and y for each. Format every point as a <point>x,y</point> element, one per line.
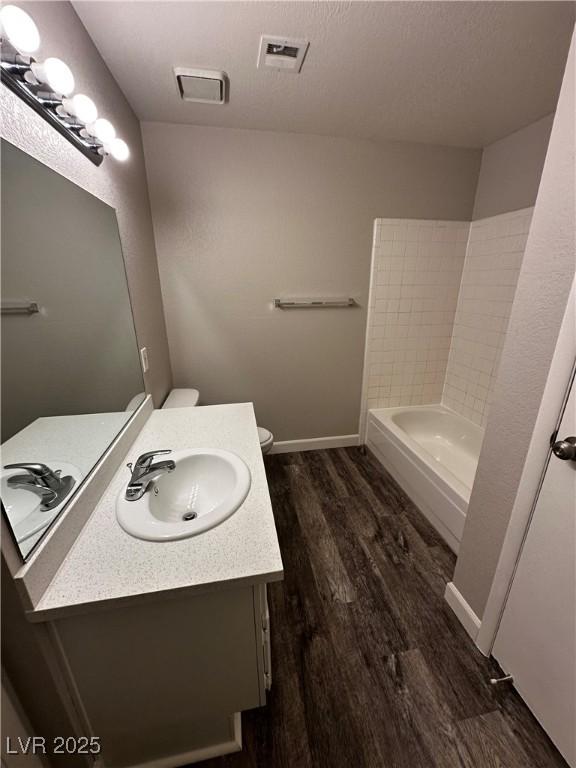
<point>48,495</point>
<point>37,469</point>
<point>146,458</point>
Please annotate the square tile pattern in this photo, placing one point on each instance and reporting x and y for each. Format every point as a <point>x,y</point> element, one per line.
<point>440,298</point>
<point>493,260</point>
<point>416,272</point>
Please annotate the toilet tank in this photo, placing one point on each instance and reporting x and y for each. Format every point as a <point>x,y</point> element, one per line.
<point>182,398</point>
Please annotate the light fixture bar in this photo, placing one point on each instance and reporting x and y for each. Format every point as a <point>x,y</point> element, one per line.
<point>47,86</point>
<point>21,89</point>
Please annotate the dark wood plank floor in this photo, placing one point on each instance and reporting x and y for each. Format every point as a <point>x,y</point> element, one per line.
<point>371,668</point>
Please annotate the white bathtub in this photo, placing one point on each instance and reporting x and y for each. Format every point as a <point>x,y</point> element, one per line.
<point>432,453</point>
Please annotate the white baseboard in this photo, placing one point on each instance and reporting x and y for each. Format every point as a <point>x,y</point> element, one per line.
<point>464,613</point>
<point>315,443</point>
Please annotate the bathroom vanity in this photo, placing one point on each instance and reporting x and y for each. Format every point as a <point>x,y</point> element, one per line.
<point>143,608</point>
<point>159,645</point>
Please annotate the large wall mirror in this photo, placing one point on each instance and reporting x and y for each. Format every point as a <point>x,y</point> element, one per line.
<point>71,375</point>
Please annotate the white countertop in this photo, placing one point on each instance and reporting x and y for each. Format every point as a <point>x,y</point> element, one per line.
<point>106,564</point>
<point>80,440</point>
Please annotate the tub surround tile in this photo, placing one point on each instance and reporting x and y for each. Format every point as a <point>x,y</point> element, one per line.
<point>491,269</point>
<point>107,565</point>
<point>416,272</point>
<point>441,294</point>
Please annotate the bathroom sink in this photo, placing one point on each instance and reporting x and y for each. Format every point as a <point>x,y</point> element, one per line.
<point>18,502</point>
<point>23,506</point>
<point>206,487</point>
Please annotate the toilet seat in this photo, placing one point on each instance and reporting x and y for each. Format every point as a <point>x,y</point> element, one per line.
<point>266,438</point>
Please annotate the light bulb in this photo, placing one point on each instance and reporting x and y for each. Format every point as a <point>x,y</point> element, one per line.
<point>81,107</point>
<point>55,74</point>
<point>19,29</point>
<point>102,129</point>
<point>118,149</point>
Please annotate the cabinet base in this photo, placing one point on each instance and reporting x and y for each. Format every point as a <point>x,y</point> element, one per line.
<point>195,755</point>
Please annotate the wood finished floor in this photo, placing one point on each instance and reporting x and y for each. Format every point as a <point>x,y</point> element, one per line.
<point>371,668</point>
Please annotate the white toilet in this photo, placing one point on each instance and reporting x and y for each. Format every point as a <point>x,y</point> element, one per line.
<point>186,398</point>
<point>266,439</point>
<point>182,398</point>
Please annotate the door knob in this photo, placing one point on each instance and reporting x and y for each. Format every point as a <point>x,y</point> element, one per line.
<point>565,449</point>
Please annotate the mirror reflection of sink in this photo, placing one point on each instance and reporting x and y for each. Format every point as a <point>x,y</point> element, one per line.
<point>207,486</point>
<point>19,503</point>
<point>23,506</point>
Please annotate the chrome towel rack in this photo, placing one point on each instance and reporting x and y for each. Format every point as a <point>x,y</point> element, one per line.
<point>316,303</point>
<point>19,307</point>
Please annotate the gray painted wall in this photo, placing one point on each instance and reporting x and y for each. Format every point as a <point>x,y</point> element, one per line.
<point>511,170</point>
<point>546,277</point>
<point>241,217</point>
<point>121,185</point>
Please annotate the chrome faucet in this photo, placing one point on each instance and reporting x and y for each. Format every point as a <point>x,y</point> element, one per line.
<point>40,479</point>
<point>144,471</point>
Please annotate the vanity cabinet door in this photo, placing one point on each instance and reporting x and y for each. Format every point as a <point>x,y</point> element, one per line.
<point>164,677</point>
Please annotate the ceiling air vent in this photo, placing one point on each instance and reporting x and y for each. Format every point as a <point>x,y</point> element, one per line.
<point>206,86</point>
<point>282,53</point>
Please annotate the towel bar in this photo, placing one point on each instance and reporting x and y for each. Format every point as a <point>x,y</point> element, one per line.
<point>328,303</point>
<point>23,307</point>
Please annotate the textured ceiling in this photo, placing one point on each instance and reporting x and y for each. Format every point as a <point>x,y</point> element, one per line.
<point>454,73</point>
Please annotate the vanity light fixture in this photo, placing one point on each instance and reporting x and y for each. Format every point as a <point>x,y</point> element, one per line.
<point>80,107</point>
<point>54,73</point>
<point>105,132</point>
<point>118,149</point>
<point>47,86</point>
<point>101,129</point>
<point>19,29</point>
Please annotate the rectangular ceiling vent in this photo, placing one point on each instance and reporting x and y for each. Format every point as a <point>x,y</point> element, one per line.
<point>282,53</point>
<point>204,86</point>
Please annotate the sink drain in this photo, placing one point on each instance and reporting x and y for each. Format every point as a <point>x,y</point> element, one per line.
<point>190,516</point>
